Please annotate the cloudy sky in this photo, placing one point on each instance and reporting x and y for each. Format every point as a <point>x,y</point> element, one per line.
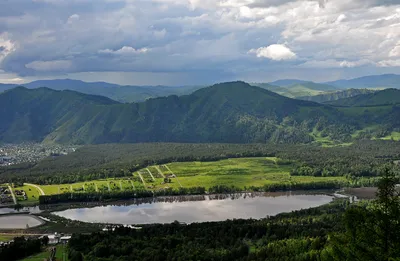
<point>181,42</point>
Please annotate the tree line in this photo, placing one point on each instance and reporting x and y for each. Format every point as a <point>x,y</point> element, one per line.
<point>22,247</point>
<point>218,189</point>
<point>362,159</point>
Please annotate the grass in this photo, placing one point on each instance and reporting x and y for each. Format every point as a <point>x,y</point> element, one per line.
<point>32,194</point>
<point>394,135</point>
<point>240,172</point>
<point>45,254</point>
<point>5,238</point>
<point>243,172</point>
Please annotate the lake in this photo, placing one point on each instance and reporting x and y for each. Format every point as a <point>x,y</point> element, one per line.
<point>202,209</point>
<point>19,221</point>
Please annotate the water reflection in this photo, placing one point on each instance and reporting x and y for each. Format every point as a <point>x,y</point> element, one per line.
<point>19,221</point>
<point>32,210</point>
<point>197,208</point>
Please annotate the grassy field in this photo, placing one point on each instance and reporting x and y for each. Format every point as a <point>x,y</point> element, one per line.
<point>393,135</point>
<point>4,238</point>
<point>241,172</point>
<point>45,254</point>
<point>244,172</point>
<point>32,194</point>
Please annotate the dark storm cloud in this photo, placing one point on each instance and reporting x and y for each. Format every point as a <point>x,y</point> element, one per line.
<point>49,37</point>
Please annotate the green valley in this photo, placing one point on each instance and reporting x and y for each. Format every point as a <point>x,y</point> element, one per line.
<point>241,173</point>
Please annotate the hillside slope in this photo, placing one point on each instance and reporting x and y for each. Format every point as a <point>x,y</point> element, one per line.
<point>298,88</point>
<point>30,115</point>
<point>230,112</point>
<point>333,96</point>
<point>385,97</point>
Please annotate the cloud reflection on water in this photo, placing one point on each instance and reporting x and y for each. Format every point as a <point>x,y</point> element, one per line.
<point>196,211</point>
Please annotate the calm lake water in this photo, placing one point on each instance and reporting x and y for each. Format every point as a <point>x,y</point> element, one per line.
<point>19,221</point>
<point>33,210</point>
<point>203,209</point>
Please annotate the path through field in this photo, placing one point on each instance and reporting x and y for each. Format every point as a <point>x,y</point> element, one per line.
<point>176,177</point>
<point>150,174</point>
<point>96,188</point>
<point>37,187</point>
<point>140,176</point>
<point>159,171</point>
<point>12,194</point>
<point>133,186</point>
<point>108,184</point>
<point>120,185</point>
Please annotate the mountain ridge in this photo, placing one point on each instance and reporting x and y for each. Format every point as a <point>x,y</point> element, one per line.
<point>228,112</point>
<point>379,98</point>
<point>120,93</point>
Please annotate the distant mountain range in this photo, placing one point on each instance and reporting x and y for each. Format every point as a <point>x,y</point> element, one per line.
<point>375,81</point>
<point>234,112</point>
<point>385,97</point>
<point>290,88</point>
<point>299,89</point>
<point>114,91</point>
<point>333,96</point>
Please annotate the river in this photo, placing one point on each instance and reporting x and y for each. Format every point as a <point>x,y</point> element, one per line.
<point>202,209</point>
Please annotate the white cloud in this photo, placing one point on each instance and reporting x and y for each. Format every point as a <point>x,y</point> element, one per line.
<point>73,18</point>
<point>331,63</point>
<point>389,63</point>
<point>275,52</point>
<point>125,50</point>
<point>6,47</point>
<point>340,18</point>
<point>395,52</point>
<point>50,66</point>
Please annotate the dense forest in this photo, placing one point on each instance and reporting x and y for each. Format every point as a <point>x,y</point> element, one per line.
<point>338,231</point>
<point>232,112</point>
<point>362,159</point>
<point>22,247</point>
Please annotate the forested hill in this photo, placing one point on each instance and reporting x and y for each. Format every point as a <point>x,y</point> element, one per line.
<point>30,115</point>
<point>333,96</point>
<point>385,97</point>
<point>232,112</point>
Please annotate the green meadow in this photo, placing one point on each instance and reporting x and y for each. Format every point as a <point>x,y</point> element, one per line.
<point>239,172</point>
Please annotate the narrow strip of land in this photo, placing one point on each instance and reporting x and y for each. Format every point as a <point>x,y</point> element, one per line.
<point>108,184</point>
<point>95,187</point>
<point>37,187</point>
<point>159,171</point>
<point>176,177</point>
<point>150,174</point>
<point>12,194</point>
<point>133,186</point>
<point>140,176</point>
<point>120,185</point>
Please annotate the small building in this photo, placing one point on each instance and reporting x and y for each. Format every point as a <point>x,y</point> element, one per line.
<point>54,239</point>
<point>65,239</point>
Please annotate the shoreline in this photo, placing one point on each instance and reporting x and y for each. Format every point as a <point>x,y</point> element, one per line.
<point>178,198</point>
